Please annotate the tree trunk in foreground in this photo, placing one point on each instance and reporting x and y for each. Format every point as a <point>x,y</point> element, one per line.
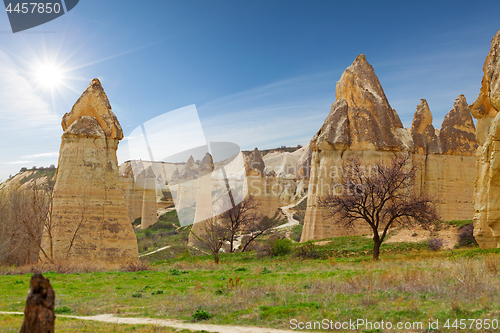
<point>376,249</point>
<point>39,312</point>
<point>216,257</point>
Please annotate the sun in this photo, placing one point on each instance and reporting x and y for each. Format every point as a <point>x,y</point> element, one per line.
<point>49,76</point>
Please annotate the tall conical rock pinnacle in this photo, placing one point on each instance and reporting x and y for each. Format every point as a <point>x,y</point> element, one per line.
<point>423,133</point>
<point>458,133</point>
<point>361,118</point>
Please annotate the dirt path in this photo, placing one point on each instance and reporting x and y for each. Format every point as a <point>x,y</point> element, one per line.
<point>109,318</point>
<point>157,250</point>
<point>418,234</point>
<point>289,215</point>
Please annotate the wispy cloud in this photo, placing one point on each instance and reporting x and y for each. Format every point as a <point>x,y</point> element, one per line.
<point>287,112</point>
<point>35,156</point>
<point>18,162</point>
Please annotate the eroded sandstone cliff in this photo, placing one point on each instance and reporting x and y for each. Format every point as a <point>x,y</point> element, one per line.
<point>487,189</point>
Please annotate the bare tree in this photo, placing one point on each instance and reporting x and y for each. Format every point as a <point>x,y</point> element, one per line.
<point>262,227</point>
<point>24,213</point>
<point>380,195</point>
<point>241,218</point>
<point>212,238</point>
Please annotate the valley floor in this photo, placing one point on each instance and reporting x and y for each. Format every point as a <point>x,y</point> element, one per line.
<point>338,282</point>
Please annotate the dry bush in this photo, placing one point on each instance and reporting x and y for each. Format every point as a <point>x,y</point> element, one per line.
<point>492,263</point>
<point>212,237</point>
<point>135,266</point>
<point>435,244</point>
<point>24,213</point>
<point>61,267</point>
<point>466,236</point>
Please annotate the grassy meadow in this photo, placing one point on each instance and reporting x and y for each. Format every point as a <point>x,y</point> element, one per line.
<point>336,281</point>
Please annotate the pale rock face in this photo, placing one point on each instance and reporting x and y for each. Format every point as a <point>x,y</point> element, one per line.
<point>304,164</point>
<point>254,165</point>
<point>487,190</point>
<point>362,123</point>
<point>271,190</point>
<point>149,215</point>
<point>132,192</point>
<point>190,171</point>
<point>284,164</point>
<point>335,132</point>
<point>90,219</point>
<point>206,165</point>
<point>424,136</point>
<point>203,196</point>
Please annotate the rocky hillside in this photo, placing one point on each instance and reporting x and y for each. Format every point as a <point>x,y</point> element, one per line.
<point>41,176</point>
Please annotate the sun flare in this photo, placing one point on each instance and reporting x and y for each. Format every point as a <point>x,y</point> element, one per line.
<point>49,76</point>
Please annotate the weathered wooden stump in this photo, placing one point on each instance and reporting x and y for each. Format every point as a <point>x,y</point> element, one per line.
<point>39,312</point>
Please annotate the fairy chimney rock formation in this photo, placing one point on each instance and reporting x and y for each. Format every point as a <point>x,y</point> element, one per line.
<point>190,171</point>
<point>206,165</point>
<point>487,104</point>
<point>94,103</point>
<point>149,214</point>
<point>425,140</point>
<point>133,193</point>
<point>458,133</point>
<point>90,219</point>
<point>254,164</point>
<point>203,196</point>
<point>372,123</point>
<point>487,189</point>
<point>361,122</point>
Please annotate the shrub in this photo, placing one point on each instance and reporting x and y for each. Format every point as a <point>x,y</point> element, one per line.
<point>308,250</point>
<point>166,195</point>
<point>63,309</point>
<point>200,315</point>
<point>466,236</point>
<point>265,271</point>
<point>282,246</point>
<point>492,263</point>
<point>135,266</point>
<point>275,246</point>
<point>435,244</point>
<point>240,269</point>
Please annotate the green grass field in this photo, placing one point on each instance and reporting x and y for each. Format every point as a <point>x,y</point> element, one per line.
<point>409,283</point>
<point>13,323</point>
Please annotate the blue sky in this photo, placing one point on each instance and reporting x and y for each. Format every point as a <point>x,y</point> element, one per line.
<point>261,73</point>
